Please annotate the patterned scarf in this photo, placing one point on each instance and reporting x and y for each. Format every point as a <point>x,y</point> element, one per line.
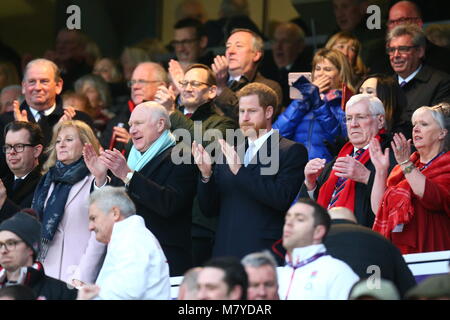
<point>64,177</point>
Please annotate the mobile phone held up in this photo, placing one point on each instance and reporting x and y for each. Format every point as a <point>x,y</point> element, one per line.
<point>292,77</point>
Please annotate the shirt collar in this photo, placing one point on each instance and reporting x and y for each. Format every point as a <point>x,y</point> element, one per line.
<point>410,77</point>
<point>300,254</point>
<point>260,141</point>
<point>36,114</point>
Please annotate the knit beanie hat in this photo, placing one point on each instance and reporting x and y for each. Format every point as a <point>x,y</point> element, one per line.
<point>25,227</point>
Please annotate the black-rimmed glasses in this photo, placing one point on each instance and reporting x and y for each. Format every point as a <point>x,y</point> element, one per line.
<point>7,148</point>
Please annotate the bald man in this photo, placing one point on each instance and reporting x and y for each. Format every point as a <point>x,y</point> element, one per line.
<point>360,247</point>
<point>289,54</point>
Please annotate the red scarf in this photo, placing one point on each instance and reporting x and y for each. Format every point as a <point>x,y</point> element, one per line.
<point>396,206</point>
<point>131,105</point>
<point>347,195</point>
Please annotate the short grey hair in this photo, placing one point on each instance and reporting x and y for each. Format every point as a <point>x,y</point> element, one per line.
<point>98,83</point>
<point>375,105</point>
<point>259,259</point>
<point>257,41</point>
<point>108,197</point>
<point>416,33</point>
<point>441,114</point>
<point>157,112</point>
<point>53,66</point>
<point>158,72</point>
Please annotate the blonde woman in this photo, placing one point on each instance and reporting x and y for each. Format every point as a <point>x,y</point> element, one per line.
<point>69,251</point>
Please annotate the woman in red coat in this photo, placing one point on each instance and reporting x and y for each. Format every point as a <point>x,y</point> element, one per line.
<point>413,204</point>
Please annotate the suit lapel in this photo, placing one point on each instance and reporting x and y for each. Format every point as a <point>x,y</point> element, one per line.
<point>264,153</point>
<point>76,188</point>
<point>155,162</point>
<point>27,185</point>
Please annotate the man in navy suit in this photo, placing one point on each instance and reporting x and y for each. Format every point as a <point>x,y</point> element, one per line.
<point>251,187</point>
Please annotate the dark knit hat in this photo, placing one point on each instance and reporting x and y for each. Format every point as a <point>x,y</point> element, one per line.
<point>26,227</point>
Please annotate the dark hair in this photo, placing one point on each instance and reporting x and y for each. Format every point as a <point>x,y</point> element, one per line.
<point>211,76</point>
<point>235,274</point>
<point>18,292</point>
<point>35,131</point>
<point>266,95</point>
<point>191,23</point>
<point>391,95</point>
<point>320,214</point>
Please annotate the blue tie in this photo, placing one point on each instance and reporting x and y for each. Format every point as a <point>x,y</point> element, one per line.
<point>404,83</point>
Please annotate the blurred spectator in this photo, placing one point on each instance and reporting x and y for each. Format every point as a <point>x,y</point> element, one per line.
<point>154,48</point>
<point>288,54</point>
<point>438,34</point>
<point>8,95</point>
<point>261,269</point>
<point>379,289</point>
<point>110,71</point>
<point>233,14</point>
<point>17,292</point>
<point>96,90</point>
<point>387,89</point>
<point>8,74</point>
<point>130,58</point>
<point>193,9</point>
<point>189,43</point>
<point>188,287</point>
<point>222,278</point>
<point>350,46</point>
<point>432,288</point>
<point>76,101</point>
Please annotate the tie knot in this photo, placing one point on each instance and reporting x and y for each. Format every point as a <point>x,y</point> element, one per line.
<point>188,115</point>
<point>358,153</point>
<point>403,84</point>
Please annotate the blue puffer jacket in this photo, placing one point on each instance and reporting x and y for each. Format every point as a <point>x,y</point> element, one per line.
<point>312,120</point>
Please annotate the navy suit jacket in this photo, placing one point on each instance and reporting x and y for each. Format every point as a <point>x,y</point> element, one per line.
<point>252,206</point>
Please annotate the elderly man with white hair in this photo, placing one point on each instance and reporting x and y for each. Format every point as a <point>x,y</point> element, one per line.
<point>162,190</point>
<point>347,180</point>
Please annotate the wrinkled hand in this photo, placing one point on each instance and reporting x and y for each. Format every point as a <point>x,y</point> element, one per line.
<point>176,73</point>
<point>401,147</point>
<point>69,114</point>
<point>93,163</point>
<point>350,168</point>
<point>233,160</point>
<point>220,68</point>
<point>19,115</point>
<point>88,292</point>
<point>115,161</point>
<point>202,159</point>
<point>313,169</point>
<point>323,83</point>
<point>3,194</point>
<point>379,159</point>
<point>166,97</point>
<point>122,134</point>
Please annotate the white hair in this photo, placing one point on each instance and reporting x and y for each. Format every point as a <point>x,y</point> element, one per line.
<point>375,105</point>
<point>108,197</point>
<point>157,111</point>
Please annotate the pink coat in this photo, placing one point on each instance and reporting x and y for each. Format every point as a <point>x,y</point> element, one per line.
<point>74,253</point>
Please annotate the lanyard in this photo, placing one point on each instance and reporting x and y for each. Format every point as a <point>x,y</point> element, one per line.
<point>299,265</point>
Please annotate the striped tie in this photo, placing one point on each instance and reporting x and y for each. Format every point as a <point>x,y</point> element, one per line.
<point>340,184</point>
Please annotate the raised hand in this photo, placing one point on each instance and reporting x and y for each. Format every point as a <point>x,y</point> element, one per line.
<point>115,161</point>
<point>323,83</point>
<point>19,115</point>
<point>350,168</point>
<point>69,114</point>
<point>220,68</point>
<point>233,160</point>
<point>88,292</point>
<point>121,134</point>
<point>95,166</point>
<point>202,159</point>
<point>176,73</point>
<point>379,159</point>
<point>166,97</point>
<point>313,169</point>
<point>401,147</point>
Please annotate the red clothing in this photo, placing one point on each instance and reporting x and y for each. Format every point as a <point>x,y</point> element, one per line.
<point>426,221</point>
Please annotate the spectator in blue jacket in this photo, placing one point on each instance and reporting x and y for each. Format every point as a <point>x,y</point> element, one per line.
<point>318,118</point>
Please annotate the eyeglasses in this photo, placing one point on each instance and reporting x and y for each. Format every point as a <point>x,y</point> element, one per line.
<point>401,49</point>
<point>395,22</point>
<point>141,82</point>
<point>359,117</point>
<point>10,244</point>
<point>18,148</point>
<point>175,43</point>
<point>193,83</point>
